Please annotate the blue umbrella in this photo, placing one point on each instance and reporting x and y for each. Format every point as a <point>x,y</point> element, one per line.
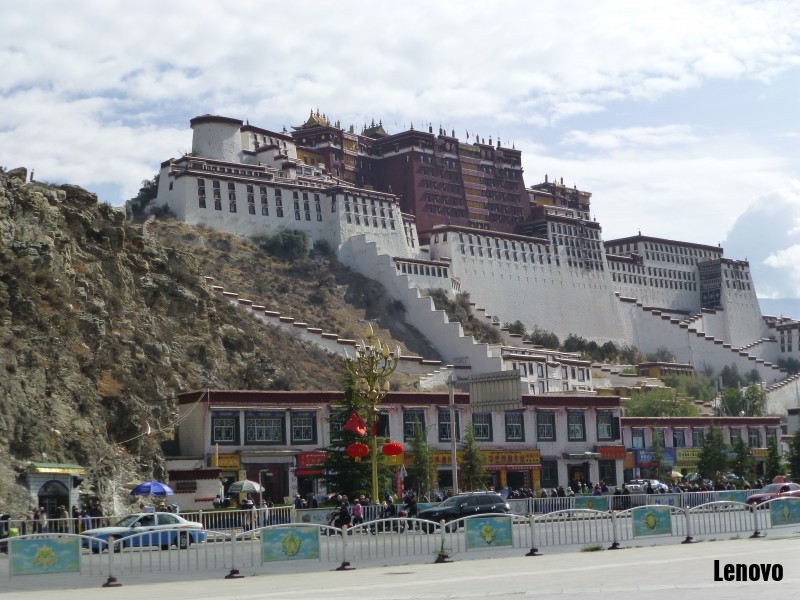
<point>152,488</point>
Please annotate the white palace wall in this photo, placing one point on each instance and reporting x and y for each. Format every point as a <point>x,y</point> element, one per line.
<point>554,297</point>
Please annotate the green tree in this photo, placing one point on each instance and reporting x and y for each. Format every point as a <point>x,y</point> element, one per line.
<point>742,463</point>
<point>343,474</point>
<point>658,460</point>
<point>749,403</point>
<point>754,401</point>
<point>543,338</point>
<point>517,327</point>
<point>713,460</point>
<point>696,387</point>
<point>574,343</point>
<point>472,463</point>
<point>662,354</point>
<point>793,456</point>
<point>660,402</point>
<point>288,244</point>
<point>774,464</point>
<point>792,365</point>
<point>730,377</point>
<point>423,474</point>
<point>147,193</point>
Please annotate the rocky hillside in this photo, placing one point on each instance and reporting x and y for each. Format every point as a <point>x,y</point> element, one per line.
<point>102,324</point>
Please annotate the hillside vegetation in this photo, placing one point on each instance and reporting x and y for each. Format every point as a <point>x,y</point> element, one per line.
<point>101,325</point>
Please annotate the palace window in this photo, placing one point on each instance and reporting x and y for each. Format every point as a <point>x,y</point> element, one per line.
<point>482,426</point>
<point>576,426</point>
<point>515,430</point>
<point>606,422</point>
<point>225,428</point>
<point>679,438</point>
<point>412,418</point>
<point>637,438</point>
<point>658,437</point>
<point>444,425</point>
<point>754,437</point>
<point>698,436</point>
<point>303,428</point>
<point>546,425</point>
<point>264,428</point>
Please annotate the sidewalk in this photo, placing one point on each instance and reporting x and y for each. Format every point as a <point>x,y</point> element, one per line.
<point>686,570</point>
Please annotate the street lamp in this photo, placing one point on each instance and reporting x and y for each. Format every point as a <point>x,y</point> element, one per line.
<point>370,370</point>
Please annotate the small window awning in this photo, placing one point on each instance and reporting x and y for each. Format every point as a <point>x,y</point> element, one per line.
<point>56,468</point>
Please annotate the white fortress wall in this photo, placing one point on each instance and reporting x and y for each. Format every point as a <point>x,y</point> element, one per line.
<point>553,296</point>
<point>388,228</point>
<point>219,138</point>
<point>742,314</point>
<point>781,398</point>
<point>362,256</point>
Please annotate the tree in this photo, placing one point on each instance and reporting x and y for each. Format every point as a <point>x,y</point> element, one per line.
<point>543,338</point>
<point>660,402</point>
<point>342,473</point>
<point>730,377</point>
<point>423,473</point>
<point>754,401</point>
<point>696,387</point>
<point>713,460</point>
<point>792,365</point>
<point>472,463</point>
<point>658,459</point>
<point>741,463</point>
<point>289,244</point>
<point>774,464</point>
<point>749,403</point>
<point>517,327</point>
<point>147,193</point>
<point>662,354</point>
<point>793,456</point>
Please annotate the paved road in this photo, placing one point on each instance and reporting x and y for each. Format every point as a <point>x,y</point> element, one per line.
<point>684,570</point>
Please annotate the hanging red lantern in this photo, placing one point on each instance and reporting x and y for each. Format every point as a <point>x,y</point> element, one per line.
<point>393,448</point>
<point>357,450</point>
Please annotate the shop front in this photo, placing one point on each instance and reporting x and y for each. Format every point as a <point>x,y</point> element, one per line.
<point>655,463</point>
<point>308,472</point>
<point>513,469</point>
<point>53,484</point>
<point>686,459</point>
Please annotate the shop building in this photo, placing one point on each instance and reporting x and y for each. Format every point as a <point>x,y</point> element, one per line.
<point>278,437</point>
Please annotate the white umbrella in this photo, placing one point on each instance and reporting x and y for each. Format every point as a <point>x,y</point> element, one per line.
<point>245,486</point>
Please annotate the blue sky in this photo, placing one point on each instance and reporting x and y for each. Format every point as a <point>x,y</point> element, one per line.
<point>680,117</point>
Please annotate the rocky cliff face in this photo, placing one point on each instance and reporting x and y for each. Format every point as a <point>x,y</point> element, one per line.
<point>100,326</point>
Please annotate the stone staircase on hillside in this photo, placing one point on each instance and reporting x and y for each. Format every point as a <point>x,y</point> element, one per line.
<point>430,372</point>
<point>461,350</point>
<point>710,345</point>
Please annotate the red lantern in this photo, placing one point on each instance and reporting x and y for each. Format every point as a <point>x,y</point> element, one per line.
<point>393,448</point>
<point>357,450</point>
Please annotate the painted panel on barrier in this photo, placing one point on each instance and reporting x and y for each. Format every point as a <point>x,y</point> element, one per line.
<point>592,502</point>
<point>664,499</point>
<point>784,512</point>
<point>485,532</point>
<point>315,515</point>
<point>732,495</point>
<point>519,506</point>
<point>292,543</point>
<point>651,521</point>
<point>37,556</point>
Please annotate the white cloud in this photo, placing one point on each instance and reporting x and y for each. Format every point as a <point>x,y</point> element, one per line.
<point>101,92</point>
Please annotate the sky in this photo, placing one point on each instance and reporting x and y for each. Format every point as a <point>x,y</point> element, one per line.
<point>681,117</point>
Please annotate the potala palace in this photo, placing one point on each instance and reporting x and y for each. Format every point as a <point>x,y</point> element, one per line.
<point>421,209</point>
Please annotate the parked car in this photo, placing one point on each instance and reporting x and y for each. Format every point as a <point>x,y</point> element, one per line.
<point>168,530</point>
<point>464,505</point>
<point>654,483</point>
<point>775,490</point>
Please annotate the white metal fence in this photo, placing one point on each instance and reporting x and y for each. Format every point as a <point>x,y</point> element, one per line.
<point>233,539</point>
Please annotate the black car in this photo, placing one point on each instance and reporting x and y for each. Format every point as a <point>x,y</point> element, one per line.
<point>465,505</point>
